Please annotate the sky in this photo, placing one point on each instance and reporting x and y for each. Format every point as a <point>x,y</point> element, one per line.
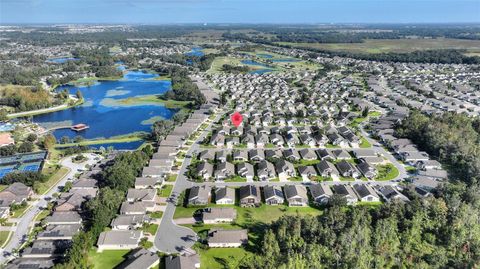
<point>239,11</point>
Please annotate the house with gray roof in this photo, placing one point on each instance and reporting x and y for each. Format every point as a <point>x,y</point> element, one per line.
<point>285,169</point>
<point>341,154</point>
<point>184,261</point>
<point>327,169</point>
<point>206,155</point>
<point>225,196</point>
<point>273,195</point>
<point>390,193</point>
<point>256,155</point>
<point>246,170</point>
<point>216,215</point>
<point>204,170</point>
<point>249,195</point>
<point>128,222</point>
<point>46,249</point>
<point>14,194</point>
<point>291,155</point>
<point>227,238</point>
<point>67,217</point>
<point>296,195</point>
<point>59,232</point>
<point>365,193</point>
<point>199,195</point>
<point>84,184</point>
<point>140,258</point>
<point>36,263</point>
<point>224,170</point>
<point>307,172</point>
<point>266,171</point>
<point>347,169</point>
<point>325,154</point>
<point>240,155</point>
<point>117,240</point>
<point>346,192</point>
<point>144,195</point>
<point>133,208</point>
<point>321,193</point>
<point>147,182</point>
<point>367,170</point>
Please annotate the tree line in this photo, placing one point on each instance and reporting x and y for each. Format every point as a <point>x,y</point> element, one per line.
<point>437,232</point>
<point>453,139</point>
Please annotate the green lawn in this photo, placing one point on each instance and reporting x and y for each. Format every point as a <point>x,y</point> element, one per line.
<point>387,172</point>
<point>150,228</point>
<point>17,213</point>
<point>165,190</point>
<point>2,187</point>
<point>106,259</point>
<point>306,162</point>
<point>53,177</point>
<point>171,178</point>
<point>220,258</point>
<point>236,179</point>
<point>156,214</point>
<point>365,143</point>
<point>263,213</point>
<point>4,236</point>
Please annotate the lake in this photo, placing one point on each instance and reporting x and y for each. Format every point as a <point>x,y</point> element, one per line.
<point>258,71</point>
<point>196,51</point>
<point>61,60</point>
<point>104,111</point>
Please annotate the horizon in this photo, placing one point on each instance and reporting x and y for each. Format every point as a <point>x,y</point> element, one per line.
<point>305,12</point>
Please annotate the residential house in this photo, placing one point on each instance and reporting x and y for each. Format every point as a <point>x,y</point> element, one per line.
<point>225,196</point>
<point>346,192</point>
<point>273,195</point>
<point>365,193</point>
<point>117,240</point>
<point>199,195</point>
<point>327,169</point>
<point>217,215</point>
<point>227,238</point>
<point>296,195</point>
<point>246,170</point>
<point>346,169</point>
<point>265,171</point>
<point>321,193</point>
<point>249,195</point>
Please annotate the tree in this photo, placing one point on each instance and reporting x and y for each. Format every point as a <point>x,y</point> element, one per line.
<point>68,186</point>
<point>3,115</point>
<point>49,141</point>
<point>365,112</point>
<point>31,137</point>
<point>161,128</point>
<point>26,146</point>
<point>79,95</point>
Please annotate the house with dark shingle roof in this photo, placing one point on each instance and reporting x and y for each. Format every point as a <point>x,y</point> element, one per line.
<point>321,193</point>
<point>296,195</point>
<point>365,193</point>
<point>199,195</point>
<point>249,195</point>
<point>273,195</point>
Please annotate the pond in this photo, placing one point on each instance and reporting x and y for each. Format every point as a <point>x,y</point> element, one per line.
<point>265,55</point>
<point>110,108</point>
<point>196,51</point>
<point>61,60</point>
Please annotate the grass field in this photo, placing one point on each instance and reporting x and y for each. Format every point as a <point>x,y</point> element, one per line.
<point>396,45</point>
<point>107,258</point>
<point>220,258</point>
<point>120,139</point>
<point>53,178</point>
<point>151,229</point>
<point>165,190</point>
<point>4,237</point>
<point>263,214</point>
<point>144,100</point>
<point>387,172</point>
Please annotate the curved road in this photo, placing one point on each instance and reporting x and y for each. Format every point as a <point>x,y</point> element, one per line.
<point>20,234</point>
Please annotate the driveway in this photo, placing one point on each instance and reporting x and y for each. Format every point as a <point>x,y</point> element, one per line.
<point>20,235</point>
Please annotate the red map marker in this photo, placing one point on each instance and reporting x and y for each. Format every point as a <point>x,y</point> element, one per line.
<point>236,118</point>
